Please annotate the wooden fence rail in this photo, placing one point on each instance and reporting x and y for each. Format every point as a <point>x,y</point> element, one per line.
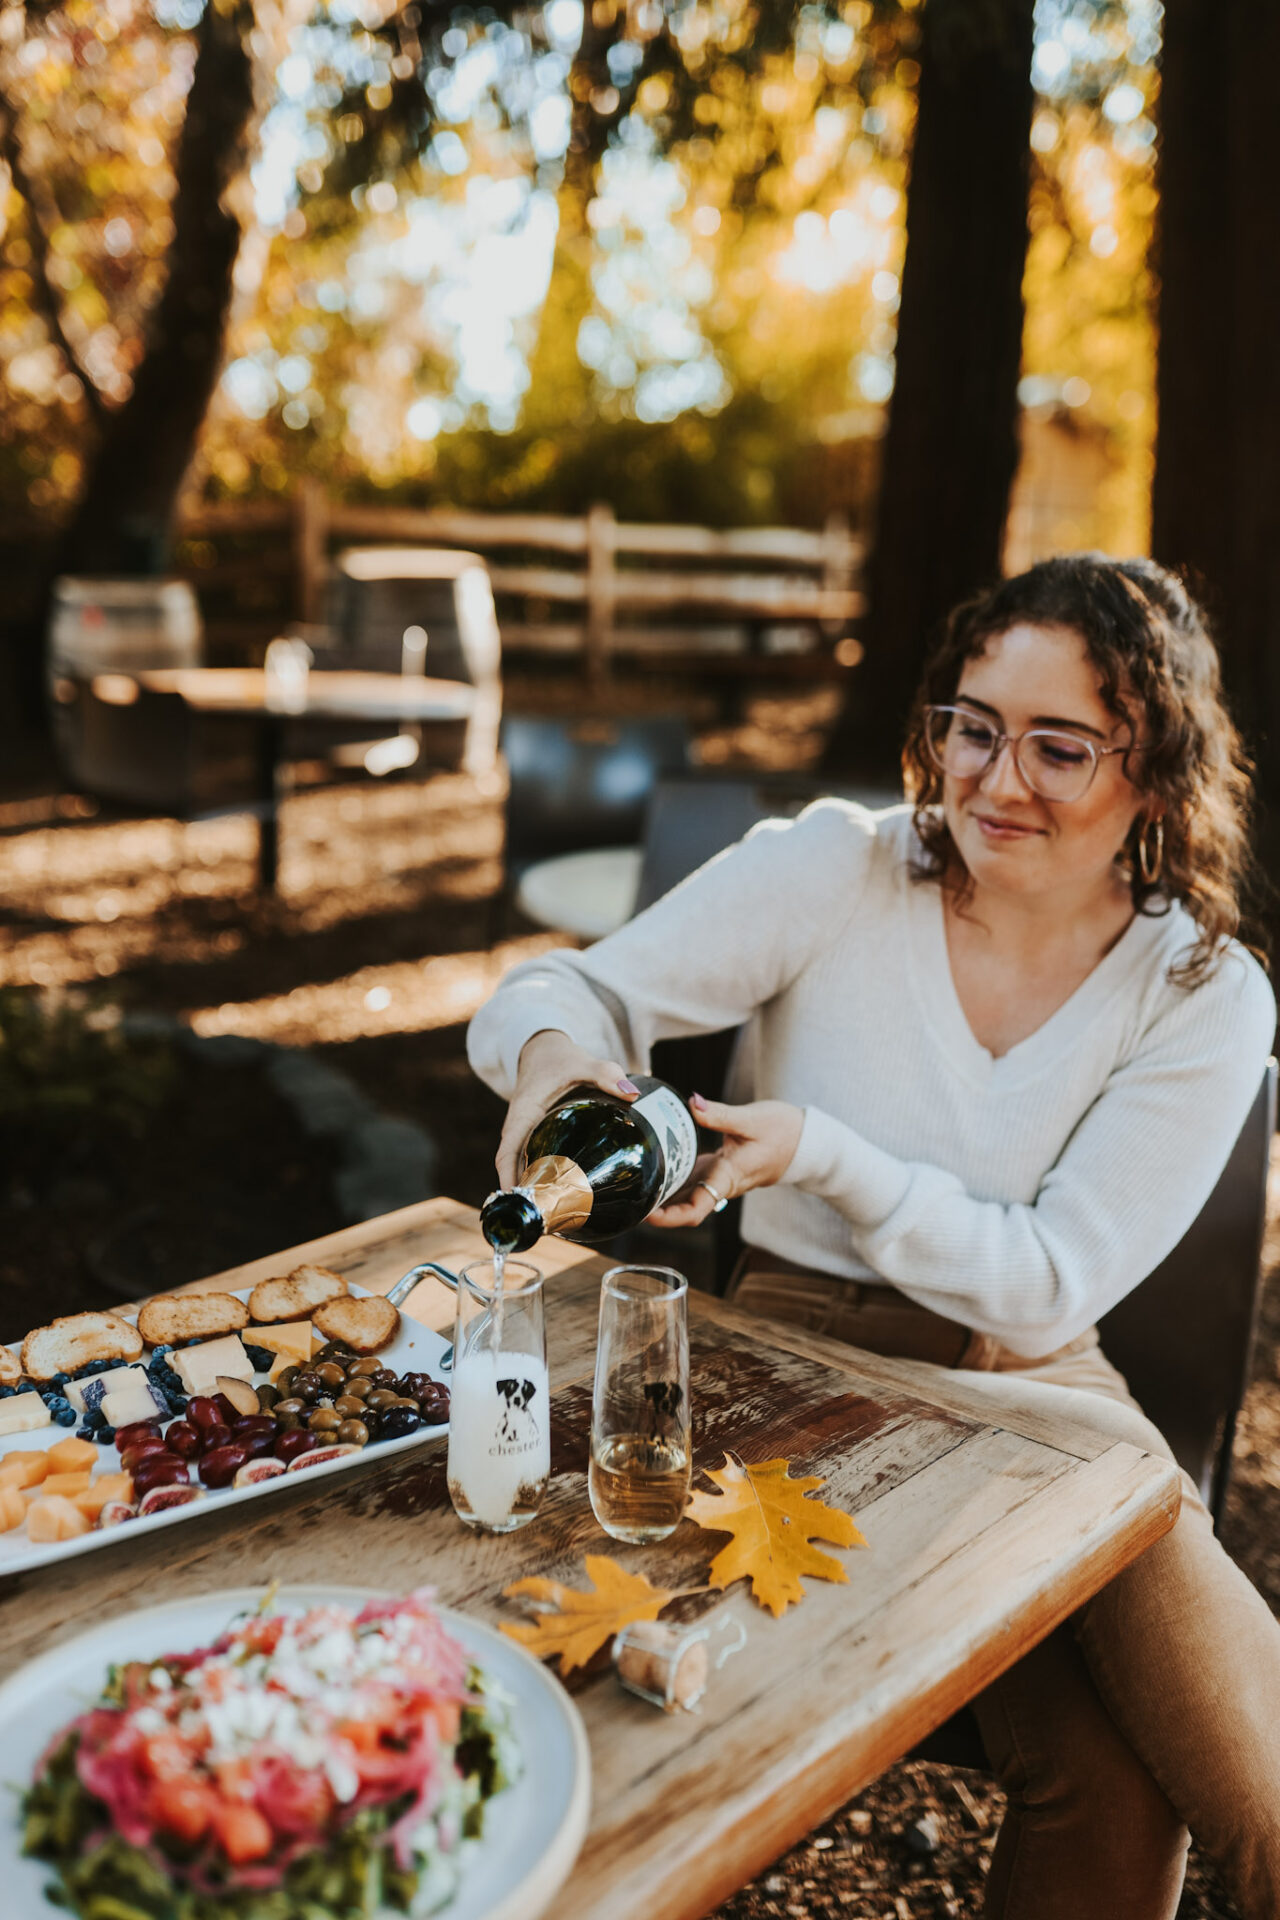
<point>598,570</point>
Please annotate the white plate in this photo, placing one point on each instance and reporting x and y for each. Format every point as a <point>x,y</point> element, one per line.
<point>533,1830</point>
<point>415,1349</point>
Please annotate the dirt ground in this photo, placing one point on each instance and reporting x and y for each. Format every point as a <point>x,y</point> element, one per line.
<point>376,952</point>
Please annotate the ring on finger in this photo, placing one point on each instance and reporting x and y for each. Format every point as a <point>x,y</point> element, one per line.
<point>721,1200</point>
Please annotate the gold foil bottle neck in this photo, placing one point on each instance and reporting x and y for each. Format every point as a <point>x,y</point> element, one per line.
<point>560,1190</point>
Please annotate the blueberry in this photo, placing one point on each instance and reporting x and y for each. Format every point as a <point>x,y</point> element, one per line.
<point>6,1391</point>
<point>261,1358</point>
<point>105,1436</point>
<point>59,1379</point>
<point>162,1349</point>
<point>95,1418</point>
<point>177,1403</point>
<point>84,1433</point>
<point>65,1416</point>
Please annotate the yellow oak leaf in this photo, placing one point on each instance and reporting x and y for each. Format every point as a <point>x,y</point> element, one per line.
<point>575,1624</point>
<point>773,1525</point>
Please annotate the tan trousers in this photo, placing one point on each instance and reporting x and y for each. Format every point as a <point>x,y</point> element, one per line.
<point>1154,1710</point>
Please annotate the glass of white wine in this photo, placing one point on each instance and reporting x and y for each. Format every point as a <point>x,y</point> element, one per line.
<point>640,1454</point>
<point>500,1407</point>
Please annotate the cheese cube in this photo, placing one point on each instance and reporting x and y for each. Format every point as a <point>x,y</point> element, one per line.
<point>292,1337</point>
<point>290,1343</point>
<point>13,1509</point>
<point>198,1367</point>
<point>23,1412</point>
<point>134,1401</point>
<point>84,1395</point>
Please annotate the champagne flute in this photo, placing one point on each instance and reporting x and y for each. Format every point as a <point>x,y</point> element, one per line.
<point>500,1402</point>
<point>640,1453</point>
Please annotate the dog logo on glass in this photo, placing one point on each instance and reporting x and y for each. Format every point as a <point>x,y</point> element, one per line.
<point>517,1428</point>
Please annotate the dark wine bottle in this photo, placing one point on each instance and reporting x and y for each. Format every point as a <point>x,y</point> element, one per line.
<point>595,1166</point>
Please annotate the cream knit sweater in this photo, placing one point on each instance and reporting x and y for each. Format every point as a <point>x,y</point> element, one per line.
<point>1023,1195</point>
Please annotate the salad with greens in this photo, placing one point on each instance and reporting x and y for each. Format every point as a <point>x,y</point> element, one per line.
<point>326,1765</point>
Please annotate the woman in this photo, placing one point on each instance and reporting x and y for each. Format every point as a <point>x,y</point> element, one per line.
<point>997,1049</point>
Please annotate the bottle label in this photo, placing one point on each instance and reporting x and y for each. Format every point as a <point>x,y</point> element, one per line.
<point>677,1136</point>
<point>560,1190</point>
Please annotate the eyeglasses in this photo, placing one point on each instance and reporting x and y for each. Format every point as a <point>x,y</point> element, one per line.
<point>1057,766</point>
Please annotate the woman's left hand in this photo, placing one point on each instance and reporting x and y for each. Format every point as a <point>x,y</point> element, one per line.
<point>760,1141</point>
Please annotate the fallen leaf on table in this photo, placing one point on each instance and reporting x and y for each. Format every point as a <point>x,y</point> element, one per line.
<point>773,1525</point>
<point>575,1624</point>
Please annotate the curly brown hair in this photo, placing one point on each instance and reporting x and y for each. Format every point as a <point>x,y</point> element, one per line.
<point>1150,643</point>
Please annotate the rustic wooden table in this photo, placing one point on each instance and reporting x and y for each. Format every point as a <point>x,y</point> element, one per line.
<point>982,1539</point>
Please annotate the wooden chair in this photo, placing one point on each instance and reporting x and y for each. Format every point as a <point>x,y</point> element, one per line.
<point>426,610</point>
<point>139,749</point>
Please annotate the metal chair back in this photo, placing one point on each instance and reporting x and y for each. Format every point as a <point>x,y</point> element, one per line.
<point>583,783</point>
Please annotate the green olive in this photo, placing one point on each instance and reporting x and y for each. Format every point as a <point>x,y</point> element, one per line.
<point>324,1420</point>
<point>330,1374</point>
<point>382,1398</point>
<point>285,1379</point>
<point>268,1397</point>
<point>354,1433</point>
<point>369,1365</point>
<point>358,1389</point>
<point>289,1406</point>
<point>349,1406</point>
<point>287,1422</point>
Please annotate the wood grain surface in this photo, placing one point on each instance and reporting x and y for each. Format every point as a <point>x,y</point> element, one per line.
<point>982,1538</point>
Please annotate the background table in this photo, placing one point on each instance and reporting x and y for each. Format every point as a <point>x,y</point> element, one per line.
<point>588,894</point>
<point>983,1537</point>
<point>381,698</point>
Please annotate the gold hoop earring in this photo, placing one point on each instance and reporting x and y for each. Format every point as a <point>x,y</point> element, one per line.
<point>1151,863</point>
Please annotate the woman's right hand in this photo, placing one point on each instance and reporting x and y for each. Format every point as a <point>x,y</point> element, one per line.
<point>551,1065</point>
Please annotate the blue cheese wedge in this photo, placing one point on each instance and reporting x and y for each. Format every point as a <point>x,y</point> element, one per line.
<point>23,1411</point>
<point>198,1367</point>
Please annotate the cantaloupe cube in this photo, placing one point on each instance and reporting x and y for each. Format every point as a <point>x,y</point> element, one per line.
<point>63,1485</point>
<point>55,1518</point>
<point>107,1486</point>
<point>72,1455</point>
<point>13,1509</point>
<point>23,1469</point>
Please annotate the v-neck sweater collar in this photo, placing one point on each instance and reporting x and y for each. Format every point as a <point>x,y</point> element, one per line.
<point>933,987</point>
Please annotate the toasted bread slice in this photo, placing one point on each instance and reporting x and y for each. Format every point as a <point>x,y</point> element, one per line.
<point>171,1318</point>
<point>295,1296</point>
<point>72,1342</point>
<point>364,1325</point>
<point>10,1367</point>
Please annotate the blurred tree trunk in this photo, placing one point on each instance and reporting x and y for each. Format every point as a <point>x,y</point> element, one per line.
<point>124,519</point>
<point>951,449</point>
<point>557,377</point>
<point>1216,498</point>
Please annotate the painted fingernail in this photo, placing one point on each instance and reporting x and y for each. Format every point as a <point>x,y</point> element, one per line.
<point>696,1100</point>
<point>628,1086</point>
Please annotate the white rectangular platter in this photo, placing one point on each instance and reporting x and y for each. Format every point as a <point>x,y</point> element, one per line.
<point>415,1349</point>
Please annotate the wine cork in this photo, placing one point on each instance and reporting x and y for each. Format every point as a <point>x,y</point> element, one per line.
<point>664,1664</point>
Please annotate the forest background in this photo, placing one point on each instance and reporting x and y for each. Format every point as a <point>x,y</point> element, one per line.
<point>729,261</point>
